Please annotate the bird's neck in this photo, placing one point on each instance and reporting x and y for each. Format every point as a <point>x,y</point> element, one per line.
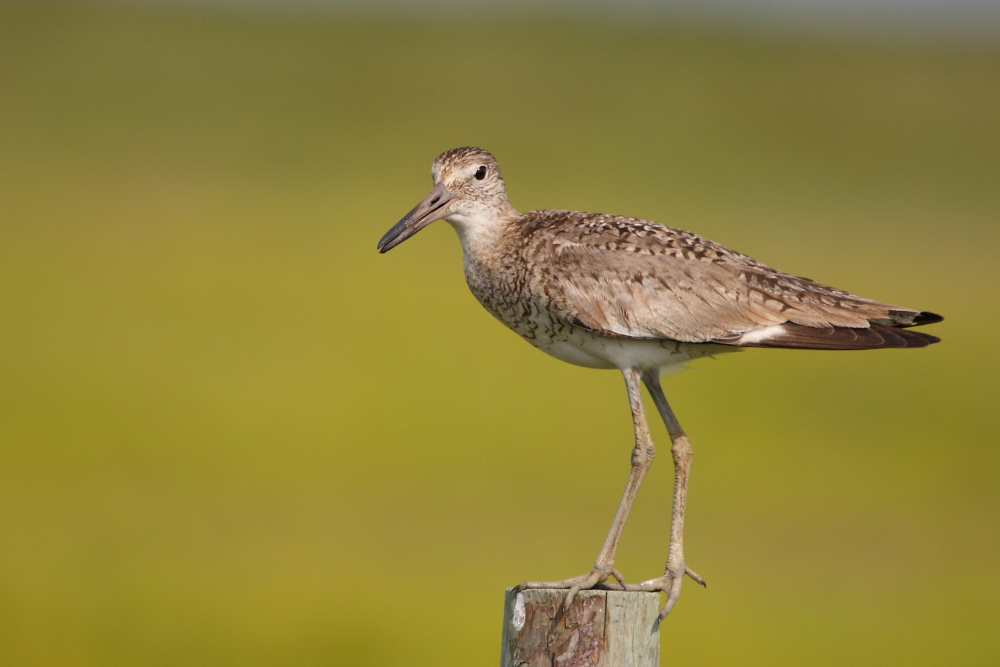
<point>480,231</point>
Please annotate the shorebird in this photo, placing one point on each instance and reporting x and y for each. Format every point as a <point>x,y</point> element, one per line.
<point>608,291</point>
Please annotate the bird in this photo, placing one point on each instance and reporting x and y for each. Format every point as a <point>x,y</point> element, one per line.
<point>614,292</point>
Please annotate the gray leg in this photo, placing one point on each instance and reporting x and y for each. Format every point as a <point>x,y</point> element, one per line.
<point>642,458</point>
<point>671,580</point>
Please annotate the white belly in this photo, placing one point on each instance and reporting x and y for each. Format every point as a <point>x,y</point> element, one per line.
<point>517,307</point>
<point>582,348</point>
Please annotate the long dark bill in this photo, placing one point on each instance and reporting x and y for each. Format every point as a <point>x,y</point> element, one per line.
<point>431,208</point>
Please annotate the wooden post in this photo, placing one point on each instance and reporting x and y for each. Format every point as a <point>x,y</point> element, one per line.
<point>600,629</point>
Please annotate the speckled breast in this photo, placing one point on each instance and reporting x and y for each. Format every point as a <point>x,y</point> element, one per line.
<point>507,295</point>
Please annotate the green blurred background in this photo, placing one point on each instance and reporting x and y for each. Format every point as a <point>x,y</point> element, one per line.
<point>231,433</point>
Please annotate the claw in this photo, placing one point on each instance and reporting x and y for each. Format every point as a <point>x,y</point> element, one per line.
<point>671,585</point>
<point>576,588</point>
<point>672,596</point>
<point>694,575</point>
<point>584,582</point>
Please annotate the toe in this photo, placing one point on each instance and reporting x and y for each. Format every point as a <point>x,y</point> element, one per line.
<point>673,595</point>
<point>588,582</point>
<point>694,575</point>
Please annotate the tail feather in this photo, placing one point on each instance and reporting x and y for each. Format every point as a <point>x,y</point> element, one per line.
<point>876,336</point>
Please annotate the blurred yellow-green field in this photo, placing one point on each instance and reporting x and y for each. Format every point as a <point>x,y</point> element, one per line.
<point>231,433</point>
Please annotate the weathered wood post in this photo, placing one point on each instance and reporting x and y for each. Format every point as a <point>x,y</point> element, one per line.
<point>600,629</point>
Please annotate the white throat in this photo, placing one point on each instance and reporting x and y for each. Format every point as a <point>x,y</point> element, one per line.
<point>477,230</point>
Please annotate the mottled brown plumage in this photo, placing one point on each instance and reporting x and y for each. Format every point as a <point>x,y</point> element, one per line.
<point>608,291</point>
<point>621,276</point>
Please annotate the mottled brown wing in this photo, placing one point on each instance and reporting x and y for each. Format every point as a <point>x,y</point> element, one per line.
<point>626,277</point>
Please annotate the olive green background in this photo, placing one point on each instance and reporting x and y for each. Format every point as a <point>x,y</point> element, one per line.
<point>231,433</point>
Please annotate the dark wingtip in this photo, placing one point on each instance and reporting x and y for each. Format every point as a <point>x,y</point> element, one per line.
<point>925,317</point>
<point>844,338</point>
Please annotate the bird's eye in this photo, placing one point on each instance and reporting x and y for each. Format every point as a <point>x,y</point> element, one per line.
<point>481,173</point>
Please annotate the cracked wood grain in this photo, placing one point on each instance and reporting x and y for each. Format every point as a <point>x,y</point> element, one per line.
<point>602,628</point>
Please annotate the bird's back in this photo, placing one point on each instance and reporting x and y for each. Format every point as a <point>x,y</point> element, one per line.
<point>628,278</point>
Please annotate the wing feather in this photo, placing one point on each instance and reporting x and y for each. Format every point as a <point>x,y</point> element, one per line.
<point>634,278</point>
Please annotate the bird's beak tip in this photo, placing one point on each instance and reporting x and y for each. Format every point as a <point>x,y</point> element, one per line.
<point>427,211</point>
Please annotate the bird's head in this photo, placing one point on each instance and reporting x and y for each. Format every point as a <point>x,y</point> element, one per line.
<point>468,191</point>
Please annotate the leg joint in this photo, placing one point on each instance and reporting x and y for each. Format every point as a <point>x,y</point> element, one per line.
<point>643,453</point>
<point>681,449</point>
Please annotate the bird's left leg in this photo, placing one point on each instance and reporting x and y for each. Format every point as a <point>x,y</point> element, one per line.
<point>670,582</point>
<point>642,459</point>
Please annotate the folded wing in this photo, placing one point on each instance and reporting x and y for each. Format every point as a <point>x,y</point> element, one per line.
<point>632,278</point>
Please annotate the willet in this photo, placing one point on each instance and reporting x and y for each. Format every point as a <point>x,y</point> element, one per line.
<point>607,291</point>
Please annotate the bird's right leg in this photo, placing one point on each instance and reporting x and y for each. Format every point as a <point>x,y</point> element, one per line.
<point>642,459</point>
<point>673,576</point>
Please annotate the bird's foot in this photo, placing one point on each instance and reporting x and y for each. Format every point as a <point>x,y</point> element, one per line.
<point>669,583</point>
<point>596,578</point>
